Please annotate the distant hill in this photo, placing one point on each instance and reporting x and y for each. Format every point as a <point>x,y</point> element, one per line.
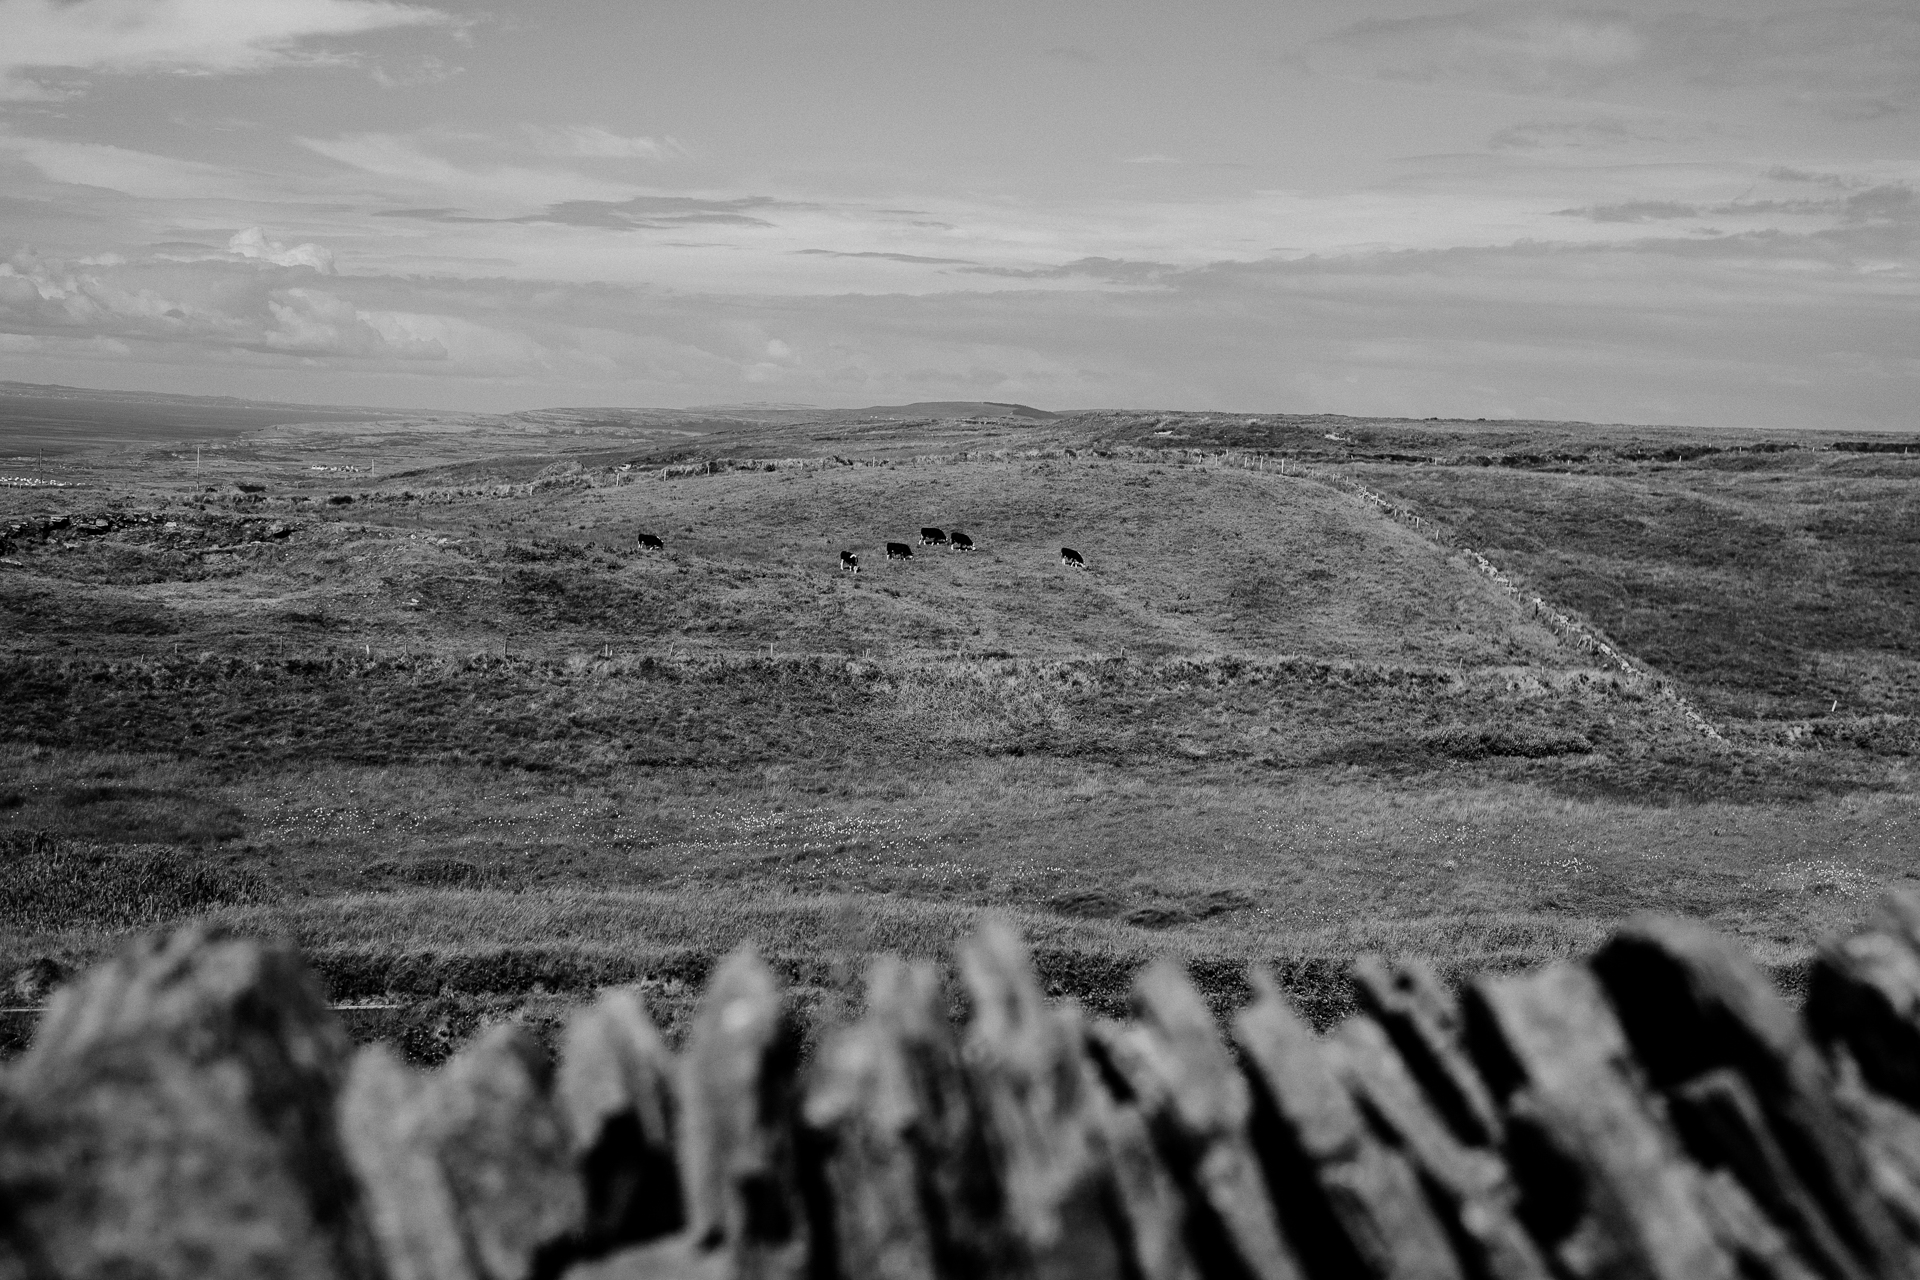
<point>785,414</point>
<point>58,419</point>
<point>37,417</point>
<point>758,406</point>
<point>954,409</point>
<point>54,391</point>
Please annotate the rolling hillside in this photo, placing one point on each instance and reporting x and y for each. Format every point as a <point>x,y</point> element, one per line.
<point>446,725</point>
<point>1183,560</point>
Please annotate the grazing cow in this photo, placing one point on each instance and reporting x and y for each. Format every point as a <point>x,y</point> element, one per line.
<point>932,538</point>
<point>899,551</point>
<point>849,562</point>
<point>959,541</point>
<point>1068,556</point>
<point>650,543</point>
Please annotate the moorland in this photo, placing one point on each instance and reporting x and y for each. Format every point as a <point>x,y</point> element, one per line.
<point>402,688</point>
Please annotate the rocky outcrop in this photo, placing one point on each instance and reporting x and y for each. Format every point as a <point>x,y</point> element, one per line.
<point>1656,1113</point>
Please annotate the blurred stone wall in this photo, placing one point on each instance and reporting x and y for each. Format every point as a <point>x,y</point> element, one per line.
<point>192,1109</point>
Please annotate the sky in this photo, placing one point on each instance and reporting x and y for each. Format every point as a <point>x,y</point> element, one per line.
<point>1680,212</point>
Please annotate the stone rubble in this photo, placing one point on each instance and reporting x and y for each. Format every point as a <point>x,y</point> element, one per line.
<point>192,1109</point>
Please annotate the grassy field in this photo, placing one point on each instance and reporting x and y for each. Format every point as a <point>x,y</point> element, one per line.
<point>446,729</point>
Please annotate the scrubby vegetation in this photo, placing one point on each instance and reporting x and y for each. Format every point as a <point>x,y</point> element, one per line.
<point>474,752</point>
<point>1774,593</point>
<point>52,884</point>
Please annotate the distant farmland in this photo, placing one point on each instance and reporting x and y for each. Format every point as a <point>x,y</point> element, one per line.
<point>64,420</point>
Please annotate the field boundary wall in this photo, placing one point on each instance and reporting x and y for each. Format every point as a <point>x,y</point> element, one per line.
<point>192,1107</point>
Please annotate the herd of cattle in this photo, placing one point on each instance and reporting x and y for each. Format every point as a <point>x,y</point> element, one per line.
<point>929,537</point>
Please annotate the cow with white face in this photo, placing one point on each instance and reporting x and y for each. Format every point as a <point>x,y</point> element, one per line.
<point>1069,558</point>
<point>849,562</point>
<point>648,542</point>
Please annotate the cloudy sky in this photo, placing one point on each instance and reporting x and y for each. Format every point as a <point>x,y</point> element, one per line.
<point>1697,211</point>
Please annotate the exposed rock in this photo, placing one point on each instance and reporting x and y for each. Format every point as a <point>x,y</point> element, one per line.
<point>672,1258</point>
<point>1759,1249</point>
<point>1158,1215</point>
<point>1690,1001</point>
<point>468,1170</point>
<point>1864,992</point>
<point>615,1089</point>
<point>1034,1082</point>
<point>1889,1136</point>
<point>1657,1116</point>
<point>1198,1105</point>
<point>1898,913</point>
<point>490,1120</point>
<point>1349,1204</point>
<point>913,1190</point>
<point>1421,1018</point>
<point>740,1169</point>
<point>1604,1185</point>
<point>863,1099</point>
<point>414,1215</point>
<point>175,1117</point>
<point>1470,1186</point>
<point>1723,1126</point>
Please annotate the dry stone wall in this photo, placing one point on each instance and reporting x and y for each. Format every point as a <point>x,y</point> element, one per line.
<point>191,1108</point>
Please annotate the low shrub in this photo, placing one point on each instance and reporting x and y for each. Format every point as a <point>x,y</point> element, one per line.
<point>1527,743</point>
<point>48,883</point>
<point>1188,909</point>
<point>1151,910</point>
<point>444,872</point>
<point>113,814</point>
<point>1459,742</point>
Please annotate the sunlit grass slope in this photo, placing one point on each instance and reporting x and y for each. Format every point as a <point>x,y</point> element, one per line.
<point>1181,560</point>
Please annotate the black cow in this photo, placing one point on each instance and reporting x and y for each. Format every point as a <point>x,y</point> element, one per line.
<point>1068,556</point>
<point>959,541</point>
<point>650,543</point>
<point>849,562</point>
<point>932,538</point>
<point>899,551</point>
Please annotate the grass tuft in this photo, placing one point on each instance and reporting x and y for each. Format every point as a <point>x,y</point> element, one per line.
<point>52,884</point>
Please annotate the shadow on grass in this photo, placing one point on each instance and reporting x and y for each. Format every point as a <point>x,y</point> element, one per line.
<point>146,815</point>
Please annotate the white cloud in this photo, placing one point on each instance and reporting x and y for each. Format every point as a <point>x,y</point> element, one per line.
<point>1852,61</point>
<point>315,323</point>
<point>408,73</point>
<point>22,344</point>
<point>423,167</point>
<point>137,173</point>
<point>591,142</point>
<point>253,243</point>
<point>1776,328</point>
<point>1530,47</point>
<point>209,305</point>
<point>1602,134</point>
<point>200,36</point>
